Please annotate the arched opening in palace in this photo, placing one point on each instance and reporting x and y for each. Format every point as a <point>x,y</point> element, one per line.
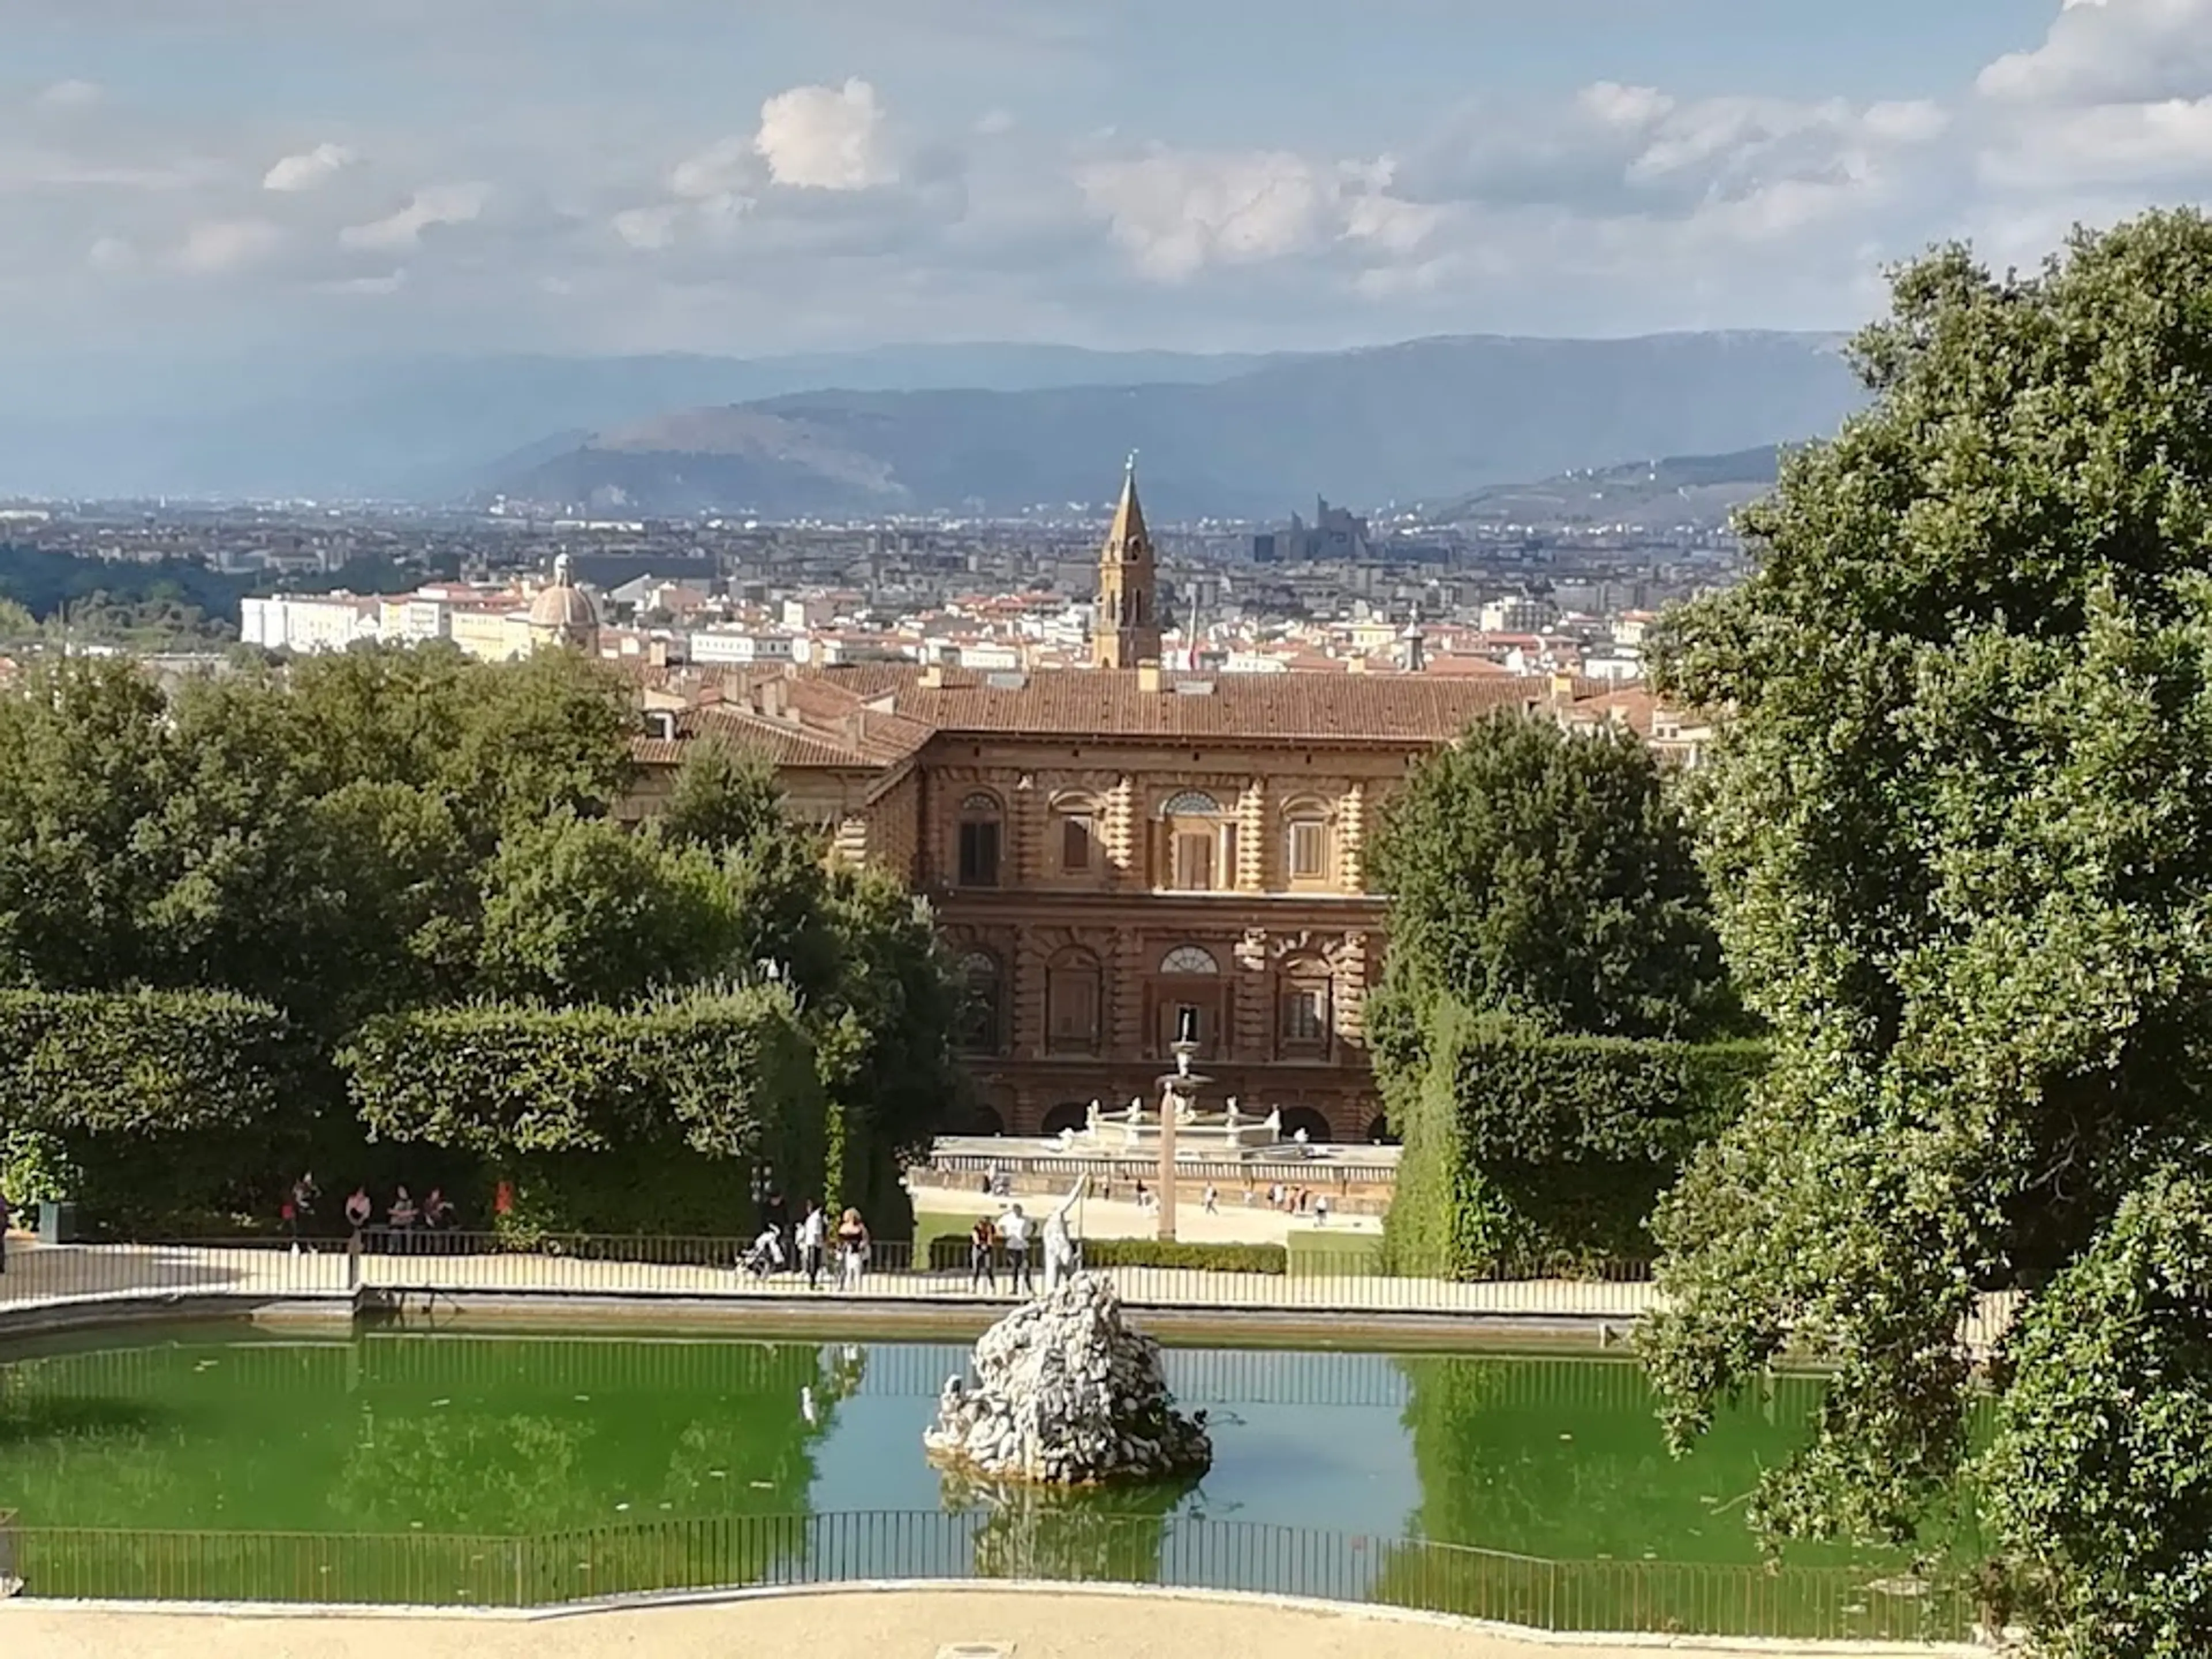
<point>1315,1123</point>
<point>1068,1115</point>
<point>979,1119</point>
<point>1378,1132</point>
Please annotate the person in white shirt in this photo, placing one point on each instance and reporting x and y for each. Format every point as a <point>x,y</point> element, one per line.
<point>1014,1229</point>
<point>1212,1200</point>
<point>810,1232</point>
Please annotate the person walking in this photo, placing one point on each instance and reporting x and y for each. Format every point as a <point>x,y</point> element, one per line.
<point>812,1229</point>
<point>982,1244</point>
<point>1212,1200</point>
<point>852,1249</point>
<point>1014,1228</point>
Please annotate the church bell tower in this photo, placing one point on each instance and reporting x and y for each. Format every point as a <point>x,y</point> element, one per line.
<point>1127,630</point>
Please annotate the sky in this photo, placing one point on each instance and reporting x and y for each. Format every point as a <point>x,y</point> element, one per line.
<point>216,181</point>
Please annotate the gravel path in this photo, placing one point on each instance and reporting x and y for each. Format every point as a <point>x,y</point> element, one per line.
<point>883,1624</point>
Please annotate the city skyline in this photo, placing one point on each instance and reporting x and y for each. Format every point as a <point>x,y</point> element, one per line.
<point>239,179</point>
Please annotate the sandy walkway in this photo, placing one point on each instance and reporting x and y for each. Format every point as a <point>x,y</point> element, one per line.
<point>1101,1218</point>
<point>892,1624</point>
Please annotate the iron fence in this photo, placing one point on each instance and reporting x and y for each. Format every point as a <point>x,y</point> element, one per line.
<point>1049,1543</point>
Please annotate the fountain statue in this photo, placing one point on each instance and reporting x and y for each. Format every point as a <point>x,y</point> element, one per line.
<point>1065,1395</point>
<point>1090,1119</point>
<point>1233,1124</point>
<point>1059,1243</point>
<point>1274,1125</point>
<point>1135,1114</point>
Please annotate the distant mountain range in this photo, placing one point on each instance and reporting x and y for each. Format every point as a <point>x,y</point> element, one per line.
<point>1427,419</point>
<point>992,427</point>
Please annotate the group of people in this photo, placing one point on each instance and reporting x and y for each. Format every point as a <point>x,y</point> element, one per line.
<point>809,1244</point>
<point>404,1218</point>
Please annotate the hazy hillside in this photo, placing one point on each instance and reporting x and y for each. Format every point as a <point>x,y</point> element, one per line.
<point>426,427</point>
<point>1677,489</point>
<point>1424,420</point>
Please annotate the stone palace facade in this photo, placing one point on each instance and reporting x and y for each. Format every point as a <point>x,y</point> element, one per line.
<point>1112,849</point>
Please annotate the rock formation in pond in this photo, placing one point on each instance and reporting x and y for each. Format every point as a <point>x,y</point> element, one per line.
<point>1065,1395</point>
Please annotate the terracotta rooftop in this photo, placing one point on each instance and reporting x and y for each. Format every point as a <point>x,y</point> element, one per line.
<point>1381,707</point>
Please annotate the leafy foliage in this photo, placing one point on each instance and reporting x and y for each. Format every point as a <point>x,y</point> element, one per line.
<point>1526,1151</point>
<point>399,834</point>
<point>143,1064</point>
<point>2099,1482</point>
<point>1548,875</point>
<point>1957,834</point>
<point>715,1070</point>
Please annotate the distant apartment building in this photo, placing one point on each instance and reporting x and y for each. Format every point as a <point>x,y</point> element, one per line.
<point>308,622</point>
<point>738,646</point>
<point>1516,613</point>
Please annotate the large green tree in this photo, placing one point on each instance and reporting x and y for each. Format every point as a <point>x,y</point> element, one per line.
<point>1548,875</point>
<point>1960,839</point>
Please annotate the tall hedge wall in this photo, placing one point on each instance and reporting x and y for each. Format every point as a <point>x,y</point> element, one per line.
<point>1526,1151</point>
<point>605,1120</point>
<point>150,1106</point>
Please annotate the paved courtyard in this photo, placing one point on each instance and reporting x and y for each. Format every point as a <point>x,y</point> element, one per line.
<point>883,1624</point>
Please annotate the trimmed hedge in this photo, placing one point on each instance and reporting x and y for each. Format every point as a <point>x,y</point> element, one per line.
<point>605,1119</point>
<point>148,1106</point>
<point>1525,1150</point>
<point>949,1251</point>
<point>140,1063</point>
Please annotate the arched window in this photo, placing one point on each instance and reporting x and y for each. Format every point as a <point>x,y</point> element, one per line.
<point>1191,804</point>
<point>1315,1125</point>
<point>1305,1023</point>
<point>1197,844</point>
<point>984,1015</point>
<point>981,824</point>
<point>1073,1001</point>
<point>1307,843</point>
<point>1190,959</point>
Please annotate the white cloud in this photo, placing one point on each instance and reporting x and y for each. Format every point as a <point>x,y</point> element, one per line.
<point>2118,96</point>
<point>826,139</point>
<point>2111,51</point>
<point>216,246</point>
<point>439,205</point>
<point>1177,212</point>
<point>1617,149</point>
<point>310,169</point>
<point>111,254</point>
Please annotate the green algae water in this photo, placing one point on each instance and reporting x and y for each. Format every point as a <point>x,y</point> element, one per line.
<point>753,1461</point>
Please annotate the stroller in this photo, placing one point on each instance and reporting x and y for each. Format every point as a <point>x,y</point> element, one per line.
<point>766,1256</point>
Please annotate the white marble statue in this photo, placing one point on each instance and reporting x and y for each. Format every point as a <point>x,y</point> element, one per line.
<point>1136,1111</point>
<point>1232,1111</point>
<point>1091,1118</point>
<point>1275,1122</point>
<point>1059,1242</point>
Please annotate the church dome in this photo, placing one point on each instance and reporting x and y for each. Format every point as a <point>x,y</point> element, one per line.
<point>563,611</point>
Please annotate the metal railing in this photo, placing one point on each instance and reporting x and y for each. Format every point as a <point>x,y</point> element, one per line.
<point>457,1263</point>
<point>1051,1543</point>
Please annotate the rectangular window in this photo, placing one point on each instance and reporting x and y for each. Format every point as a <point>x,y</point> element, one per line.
<point>1193,860</point>
<point>1073,996</point>
<point>1308,851</point>
<point>979,854</point>
<point>1077,838</point>
<point>1305,1014</point>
